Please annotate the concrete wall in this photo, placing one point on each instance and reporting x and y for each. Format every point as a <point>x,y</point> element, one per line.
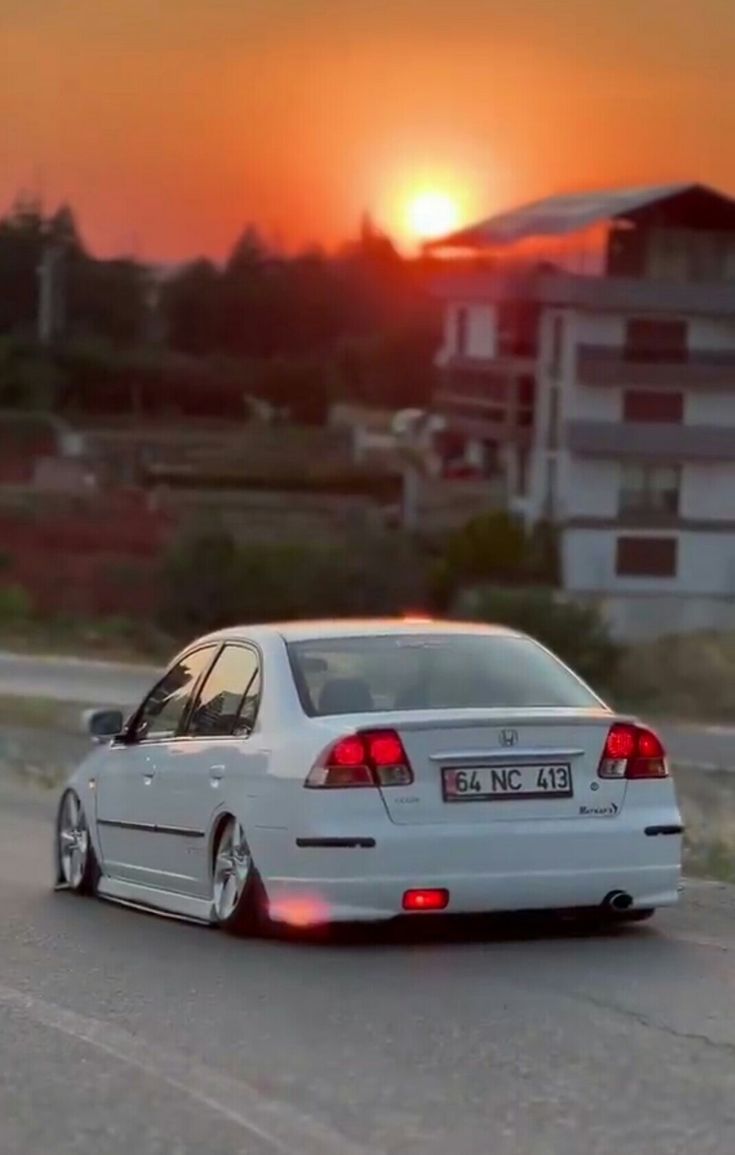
<point>637,618</point>
<point>710,407</point>
<point>706,563</point>
<point>708,491</point>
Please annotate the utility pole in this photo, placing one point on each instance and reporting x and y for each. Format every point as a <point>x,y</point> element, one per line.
<point>50,294</point>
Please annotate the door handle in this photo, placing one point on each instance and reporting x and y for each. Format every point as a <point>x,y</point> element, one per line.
<point>148,776</point>
<point>216,773</point>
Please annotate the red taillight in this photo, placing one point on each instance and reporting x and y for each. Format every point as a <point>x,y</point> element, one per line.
<point>433,899</point>
<point>621,742</point>
<point>633,752</point>
<point>371,758</point>
<point>348,752</point>
<point>386,749</point>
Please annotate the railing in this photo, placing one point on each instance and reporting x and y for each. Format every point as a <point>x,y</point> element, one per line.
<point>651,441</point>
<point>608,365</point>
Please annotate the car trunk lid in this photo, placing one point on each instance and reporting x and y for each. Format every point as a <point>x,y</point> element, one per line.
<point>492,766</point>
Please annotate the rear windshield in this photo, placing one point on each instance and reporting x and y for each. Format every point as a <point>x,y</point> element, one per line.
<point>430,672</point>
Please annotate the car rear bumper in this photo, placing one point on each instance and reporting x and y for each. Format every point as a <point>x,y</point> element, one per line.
<point>514,866</point>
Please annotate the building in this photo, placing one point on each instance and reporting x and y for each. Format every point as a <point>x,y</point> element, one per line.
<point>588,359</point>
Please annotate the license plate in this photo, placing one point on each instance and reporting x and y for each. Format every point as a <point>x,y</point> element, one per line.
<point>503,783</point>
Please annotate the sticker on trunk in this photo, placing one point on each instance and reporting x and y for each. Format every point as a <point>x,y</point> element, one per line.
<point>608,811</point>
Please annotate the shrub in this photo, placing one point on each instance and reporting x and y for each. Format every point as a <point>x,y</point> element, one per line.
<point>491,548</point>
<point>15,605</point>
<point>208,581</point>
<point>576,632</point>
<point>690,676</point>
<point>201,584</point>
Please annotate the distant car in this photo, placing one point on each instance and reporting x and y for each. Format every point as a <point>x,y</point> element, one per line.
<point>337,771</point>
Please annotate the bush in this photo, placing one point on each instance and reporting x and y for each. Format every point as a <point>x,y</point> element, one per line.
<point>491,548</point>
<point>15,605</point>
<point>577,633</point>
<point>690,676</point>
<point>201,584</point>
<point>209,582</point>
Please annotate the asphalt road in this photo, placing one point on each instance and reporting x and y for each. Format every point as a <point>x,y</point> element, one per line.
<point>104,683</point>
<point>128,1034</point>
<point>74,679</point>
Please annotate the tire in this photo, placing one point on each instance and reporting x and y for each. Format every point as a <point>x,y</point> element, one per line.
<point>238,898</point>
<point>76,862</point>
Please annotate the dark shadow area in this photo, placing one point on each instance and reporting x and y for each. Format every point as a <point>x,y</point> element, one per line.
<point>441,930</point>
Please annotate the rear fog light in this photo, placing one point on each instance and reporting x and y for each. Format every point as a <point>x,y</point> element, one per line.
<point>416,900</point>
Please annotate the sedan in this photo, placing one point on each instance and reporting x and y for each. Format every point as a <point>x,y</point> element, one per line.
<point>313,773</point>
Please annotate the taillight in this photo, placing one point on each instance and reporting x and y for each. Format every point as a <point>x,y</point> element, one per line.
<point>371,758</point>
<point>632,752</point>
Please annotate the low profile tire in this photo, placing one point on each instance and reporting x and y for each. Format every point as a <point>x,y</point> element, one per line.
<point>238,900</point>
<point>78,869</point>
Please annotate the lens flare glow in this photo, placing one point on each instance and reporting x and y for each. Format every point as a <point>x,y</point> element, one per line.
<point>431,215</point>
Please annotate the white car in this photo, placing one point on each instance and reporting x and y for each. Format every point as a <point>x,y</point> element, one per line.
<point>321,772</point>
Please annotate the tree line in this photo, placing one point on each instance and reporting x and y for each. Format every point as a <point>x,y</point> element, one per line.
<point>296,330</point>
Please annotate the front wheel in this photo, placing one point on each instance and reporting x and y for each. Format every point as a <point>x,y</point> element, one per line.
<point>77,865</point>
<point>238,901</point>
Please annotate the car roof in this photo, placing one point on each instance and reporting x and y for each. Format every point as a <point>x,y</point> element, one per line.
<point>303,631</point>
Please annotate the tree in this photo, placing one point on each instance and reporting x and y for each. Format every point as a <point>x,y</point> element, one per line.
<point>108,299</point>
<point>22,236</point>
<point>191,303</point>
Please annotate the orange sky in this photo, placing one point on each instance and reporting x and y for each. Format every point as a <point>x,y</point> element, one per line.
<point>170,123</point>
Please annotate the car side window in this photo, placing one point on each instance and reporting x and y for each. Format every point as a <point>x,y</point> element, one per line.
<point>163,711</point>
<point>227,703</point>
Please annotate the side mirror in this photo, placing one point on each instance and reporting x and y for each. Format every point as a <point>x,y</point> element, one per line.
<point>103,725</point>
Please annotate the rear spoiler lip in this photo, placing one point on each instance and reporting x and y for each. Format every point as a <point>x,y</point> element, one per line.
<point>469,719</point>
<point>407,721</point>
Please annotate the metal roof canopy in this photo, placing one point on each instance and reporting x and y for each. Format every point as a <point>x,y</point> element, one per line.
<point>691,205</point>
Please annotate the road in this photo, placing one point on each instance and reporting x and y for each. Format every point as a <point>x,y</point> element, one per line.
<point>104,683</point>
<point>123,1033</point>
<point>73,679</point>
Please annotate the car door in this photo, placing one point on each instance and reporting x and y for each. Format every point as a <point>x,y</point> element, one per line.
<point>132,847</point>
<point>206,768</point>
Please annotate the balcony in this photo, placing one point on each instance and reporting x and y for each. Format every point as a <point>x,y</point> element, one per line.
<point>704,369</point>
<point>646,442</point>
<point>492,408</point>
<point>608,294</point>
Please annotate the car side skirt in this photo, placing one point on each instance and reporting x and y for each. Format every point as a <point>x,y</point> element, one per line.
<point>156,901</point>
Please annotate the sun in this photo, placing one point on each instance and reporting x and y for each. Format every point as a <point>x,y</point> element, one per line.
<point>431,215</point>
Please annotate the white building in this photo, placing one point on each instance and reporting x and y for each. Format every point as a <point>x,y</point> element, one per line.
<point>589,356</point>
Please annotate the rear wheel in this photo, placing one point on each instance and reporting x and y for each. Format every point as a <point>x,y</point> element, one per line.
<point>78,868</point>
<point>238,905</point>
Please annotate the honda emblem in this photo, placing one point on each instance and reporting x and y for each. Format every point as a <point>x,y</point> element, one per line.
<point>508,738</point>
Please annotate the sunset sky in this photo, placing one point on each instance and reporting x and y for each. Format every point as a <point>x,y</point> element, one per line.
<point>169,124</point>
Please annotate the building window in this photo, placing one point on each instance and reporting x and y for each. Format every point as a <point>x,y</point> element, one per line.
<point>648,340</point>
<point>462,325</point>
<point>517,329</point>
<point>646,557</point>
<point>553,429</point>
<point>557,345</point>
<point>526,401</point>
<point>650,405</point>
<point>650,489</point>
<point>522,477</point>
<point>551,473</point>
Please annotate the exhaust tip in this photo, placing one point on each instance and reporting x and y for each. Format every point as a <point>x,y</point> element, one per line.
<point>617,900</point>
